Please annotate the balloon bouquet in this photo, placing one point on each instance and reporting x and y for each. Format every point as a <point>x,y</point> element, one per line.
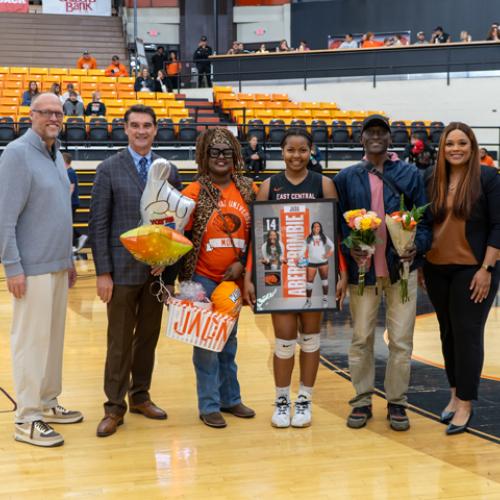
<point>159,241</point>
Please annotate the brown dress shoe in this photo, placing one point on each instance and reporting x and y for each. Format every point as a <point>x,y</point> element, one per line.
<point>109,424</point>
<point>214,419</point>
<point>240,410</point>
<point>149,410</point>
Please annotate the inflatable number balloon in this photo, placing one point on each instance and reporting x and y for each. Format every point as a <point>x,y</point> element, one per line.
<point>156,245</point>
<point>162,204</point>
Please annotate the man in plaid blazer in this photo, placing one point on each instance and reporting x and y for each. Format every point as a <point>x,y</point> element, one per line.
<point>123,283</point>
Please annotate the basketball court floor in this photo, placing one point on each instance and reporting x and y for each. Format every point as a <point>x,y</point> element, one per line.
<point>182,458</point>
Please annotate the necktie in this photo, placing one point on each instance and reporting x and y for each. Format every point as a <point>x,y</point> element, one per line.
<point>143,171</point>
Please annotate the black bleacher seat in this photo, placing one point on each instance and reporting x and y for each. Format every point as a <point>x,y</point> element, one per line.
<point>256,128</point>
<point>24,124</point>
<point>98,130</point>
<point>340,133</point>
<point>187,131</point>
<point>436,130</point>
<point>356,132</point>
<point>166,131</point>
<point>399,133</point>
<point>277,130</point>
<point>118,135</point>
<point>75,130</point>
<point>297,123</point>
<point>319,131</point>
<point>419,131</point>
<point>7,129</point>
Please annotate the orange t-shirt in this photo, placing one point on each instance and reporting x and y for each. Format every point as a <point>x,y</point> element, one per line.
<point>216,251</point>
<point>488,161</point>
<point>86,63</point>
<point>174,68</point>
<point>113,70</point>
<point>372,43</point>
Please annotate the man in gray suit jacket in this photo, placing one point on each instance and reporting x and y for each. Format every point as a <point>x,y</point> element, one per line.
<point>123,283</point>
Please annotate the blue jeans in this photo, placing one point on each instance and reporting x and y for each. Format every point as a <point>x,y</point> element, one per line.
<point>216,372</point>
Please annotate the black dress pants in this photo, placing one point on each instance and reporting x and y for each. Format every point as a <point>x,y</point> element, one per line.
<point>461,323</point>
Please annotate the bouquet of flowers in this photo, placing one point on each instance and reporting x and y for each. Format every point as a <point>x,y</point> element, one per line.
<point>363,225</point>
<point>402,227</point>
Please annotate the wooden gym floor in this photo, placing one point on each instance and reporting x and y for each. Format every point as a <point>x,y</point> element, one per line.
<point>182,458</point>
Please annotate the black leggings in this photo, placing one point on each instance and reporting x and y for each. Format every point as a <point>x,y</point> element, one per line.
<point>461,323</point>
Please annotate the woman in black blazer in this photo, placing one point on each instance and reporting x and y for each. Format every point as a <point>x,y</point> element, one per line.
<point>462,269</point>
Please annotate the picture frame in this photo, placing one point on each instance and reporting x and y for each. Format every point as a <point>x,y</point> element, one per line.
<point>295,259</point>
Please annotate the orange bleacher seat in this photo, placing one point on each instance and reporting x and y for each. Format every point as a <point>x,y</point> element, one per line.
<point>159,103</point>
<point>131,102</point>
<point>229,96</point>
<point>108,94</point>
<point>279,97</point>
<point>114,103</point>
<point>75,80</point>
<point>38,71</point>
<point>77,72</point>
<point>174,104</point>
<point>232,104</point>
<point>13,84</point>
<point>274,105</point>
<point>58,71</point>
<point>8,111</point>
<point>126,95</point>
<point>328,105</point>
<point>88,87</point>
<point>4,70</point>
<point>257,105</point>
<point>302,114</point>
<point>178,113</point>
<point>107,79</point>
<point>9,101</point>
<point>18,92</point>
<point>18,70</point>
<point>116,113</point>
<point>88,79</point>
<point>146,96</point>
<point>262,114</point>
<point>95,72</point>
<point>321,114</point>
<point>124,87</point>
<point>283,113</point>
<point>86,94</point>
<point>242,96</point>
<point>14,77</point>
<point>263,97</point>
<point>162,112</point>
<point>107,86</point>
<point>290,105</point>
<point>124,79</point>
<point>32,78</point>
<point>23,111</point>
<point>165,95</point>
<point>222,88</point>
<point>52,78</point>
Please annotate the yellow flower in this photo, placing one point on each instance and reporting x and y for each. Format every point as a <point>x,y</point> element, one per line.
<point>366,223</point>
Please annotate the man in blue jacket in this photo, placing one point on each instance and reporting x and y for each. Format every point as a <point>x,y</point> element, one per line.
<point>376,184</point>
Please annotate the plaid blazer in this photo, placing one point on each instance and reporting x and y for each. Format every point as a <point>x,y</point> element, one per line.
<point>114,209</point>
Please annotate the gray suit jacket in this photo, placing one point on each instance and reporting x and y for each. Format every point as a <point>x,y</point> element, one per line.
<point>114,209</point>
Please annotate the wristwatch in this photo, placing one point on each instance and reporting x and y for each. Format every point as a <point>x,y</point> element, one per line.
<point>488,268</point>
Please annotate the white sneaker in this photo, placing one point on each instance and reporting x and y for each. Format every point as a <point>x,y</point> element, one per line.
<point>81,242</point>
<point>325,301</point>
<point>59,415</point>
<point>308,304</point>
<point>38,433</point>
<point>281,416</point>
<point>302,416</point>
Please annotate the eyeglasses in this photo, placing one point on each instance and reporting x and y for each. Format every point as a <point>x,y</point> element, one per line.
<point>46,113</point>
<point>216,152</point>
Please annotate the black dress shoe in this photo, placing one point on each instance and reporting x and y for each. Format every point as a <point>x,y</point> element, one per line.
<point>458,429</point>
<point>446,416</point>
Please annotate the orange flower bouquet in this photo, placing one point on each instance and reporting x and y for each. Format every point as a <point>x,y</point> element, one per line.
<point>363,225</point>
<point>402,227</point>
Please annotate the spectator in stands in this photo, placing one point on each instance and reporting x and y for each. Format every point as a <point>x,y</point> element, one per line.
<point>70,88</point>
<point>96,107</point>
<point>158,60</point>
<point>485,158</point>
<point>35,250</point>
<point>174,68</point>
<point>388,41</point>
<point>253,154</point>
<point>29,94</point>
<point>55,88</point>
<point>421,39</point>
<point>79,239</point>
<point>116,68</point>
<point>315,160</point>
<point>200,56</point>
<point>144,83</point>
<point>465,37</point>
<point>439,36</point>
<point>262,49</point>
<point>162,83</point>
<point>420,153</point>
<point>493,35</point>
<point>72,106</point>
<point>283,47</point>
<point>303,46</point>
<point>369,41</point>
<point>349,42</point>
<point>86,61</point>
<point>235,48</point>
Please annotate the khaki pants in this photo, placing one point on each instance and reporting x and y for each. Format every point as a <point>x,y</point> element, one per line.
<point>37,339</point>
<point>400,323</point>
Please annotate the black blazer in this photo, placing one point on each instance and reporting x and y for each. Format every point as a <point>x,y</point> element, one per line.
<point>482,228</point>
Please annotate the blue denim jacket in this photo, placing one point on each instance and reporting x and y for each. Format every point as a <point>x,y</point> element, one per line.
<point>353,188</point>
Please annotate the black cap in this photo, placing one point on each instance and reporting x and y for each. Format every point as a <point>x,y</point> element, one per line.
<point>203,38</point>
<point>438,28</point>
<point>375,120</point>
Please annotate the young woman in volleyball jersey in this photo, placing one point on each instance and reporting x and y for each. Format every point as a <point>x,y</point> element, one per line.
<point>295,183</point>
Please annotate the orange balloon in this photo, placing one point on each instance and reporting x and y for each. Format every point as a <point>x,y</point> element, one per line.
<point>226,299</point>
